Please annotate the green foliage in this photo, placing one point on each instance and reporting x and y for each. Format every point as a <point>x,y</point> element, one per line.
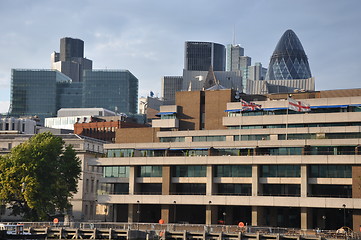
<point>39,177</point>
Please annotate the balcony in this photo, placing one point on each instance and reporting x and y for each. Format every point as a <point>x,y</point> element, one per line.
<point>165,123</point>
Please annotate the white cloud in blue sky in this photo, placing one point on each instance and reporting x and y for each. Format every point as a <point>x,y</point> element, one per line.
<point>147,37</point>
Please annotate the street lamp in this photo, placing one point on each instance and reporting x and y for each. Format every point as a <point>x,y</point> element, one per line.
<point>324,221</point>
<point>175,211</point>
<point>224,218</point>
<point>344,214</point>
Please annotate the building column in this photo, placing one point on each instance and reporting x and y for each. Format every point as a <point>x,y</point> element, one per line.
<point>304,182</point>
<point>356,219</point>
<point>211,214</point>
<point>133,215</point>
<point>256,189</point>
<point>166,180</point>
<point>166,213</point>
<point>133,186</point>
<point>306,218</point>
<point>258,217</point>
<point>210,186</point>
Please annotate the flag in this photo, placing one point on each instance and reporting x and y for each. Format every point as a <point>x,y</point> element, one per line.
<point>298,106</point>
<point>249,106</point>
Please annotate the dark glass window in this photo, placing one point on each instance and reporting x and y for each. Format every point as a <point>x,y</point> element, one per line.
<point>324,190</point>
<point>280,171</point>
<point>121,188</point>
<point>235,189</point>
<point>233,171</point>
<point>116,171</point>
<point>150,171</point>
<point>190,188</point>
<point>331,171</point>
<point>189,171</point>
<point>291,190</point>
<point>150,188</point>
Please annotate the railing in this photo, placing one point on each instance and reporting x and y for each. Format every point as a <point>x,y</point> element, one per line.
<point>78,230</point>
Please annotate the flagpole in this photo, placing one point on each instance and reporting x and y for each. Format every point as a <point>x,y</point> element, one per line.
<point>287,121</point>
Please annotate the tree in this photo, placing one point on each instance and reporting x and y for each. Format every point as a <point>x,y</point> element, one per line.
<point>38,177</point>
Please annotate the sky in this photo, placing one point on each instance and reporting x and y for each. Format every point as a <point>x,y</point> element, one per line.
<point>147,37</point>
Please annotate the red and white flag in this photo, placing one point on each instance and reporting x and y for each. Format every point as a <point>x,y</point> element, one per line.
<point>250,106</point>
<point>298,106</point>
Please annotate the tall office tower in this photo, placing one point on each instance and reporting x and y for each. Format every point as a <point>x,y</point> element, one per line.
<point>33,92</point>
<point>289,60</point>
<point>257,72</point>
<point>234,52</point>
<point>70,60</point>
<point>71,48</point>
<point>199,56</point>
<point>244,63</point>
<point>171,85</point>
<point>115,90</point>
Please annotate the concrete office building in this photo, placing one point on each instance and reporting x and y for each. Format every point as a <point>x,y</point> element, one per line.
<point>17,125</point>
<point>171,85</point>
<point>84,201</point>
<point>234,52</point>
<point>205,160</point>
<point>257,72</point>
<point>70,60</point>
<point>280,86</point>
<point>150,106</point>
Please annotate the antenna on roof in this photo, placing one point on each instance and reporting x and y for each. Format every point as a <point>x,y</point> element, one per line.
<point>234,34</point>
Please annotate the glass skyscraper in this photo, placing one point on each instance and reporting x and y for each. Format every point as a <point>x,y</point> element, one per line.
<point>44,92</point>
<point>116,90</point>
<point>71,83</point>
<point>199,56</point>
<point>289,60</point>
<point>33,92</point>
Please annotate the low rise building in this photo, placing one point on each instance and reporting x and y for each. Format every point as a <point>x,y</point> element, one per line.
<point>208,160</point>
<point>88,149</point>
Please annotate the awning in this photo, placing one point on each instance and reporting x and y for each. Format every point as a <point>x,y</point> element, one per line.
<point>179,149</point>
<point>329,106</point>
<point>233,110</point>
<point>273,109</point>
<point>165,113</point>
<point>151,149</point>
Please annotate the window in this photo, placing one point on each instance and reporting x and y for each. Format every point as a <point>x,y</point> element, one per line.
<point>120,153</point>
<point>150,171</point>
<point>235,189</point>
<point>331,171</point>
<point>189,171</point>
<point>291,190</point>
<point>280,171</point>
<point>190,188</point>
<point>208,138</point>
<point>252,137</point>
<point>116,171</point>
<point>172,139</point>
<point>233,171</point>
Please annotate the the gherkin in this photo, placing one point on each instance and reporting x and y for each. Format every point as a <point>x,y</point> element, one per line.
<point>289,60</point>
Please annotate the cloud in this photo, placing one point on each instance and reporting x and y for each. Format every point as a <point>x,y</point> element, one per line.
<point>4,106</point>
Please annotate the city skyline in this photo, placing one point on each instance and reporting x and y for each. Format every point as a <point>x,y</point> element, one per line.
<point>148,37</point>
